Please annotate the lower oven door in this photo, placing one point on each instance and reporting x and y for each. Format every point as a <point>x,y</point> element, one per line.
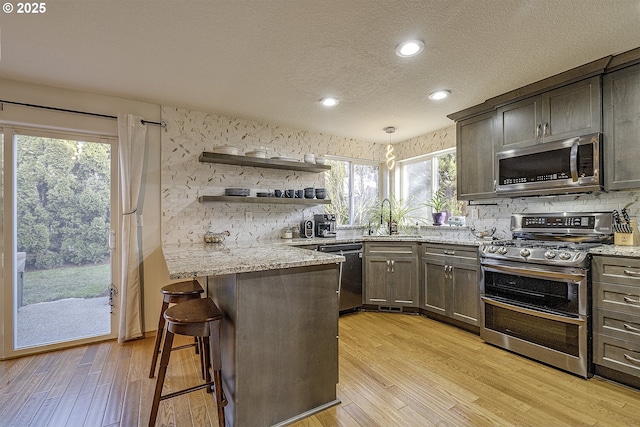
<point>555,338</point>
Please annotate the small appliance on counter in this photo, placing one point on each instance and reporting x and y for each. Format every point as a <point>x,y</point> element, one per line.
<point>325,225</point>
<point>307,228</point>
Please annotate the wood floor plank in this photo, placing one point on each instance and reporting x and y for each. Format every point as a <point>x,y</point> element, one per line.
<point>62,373</point>
<point>21,397</point>
<point>118,386</point>
<point>28,410</point>
<point>69,397</point>
<point>100,359</point>
<point>98,406</point>
<point>131,407</point>
<point>42,417</point>
<point>85,396</point>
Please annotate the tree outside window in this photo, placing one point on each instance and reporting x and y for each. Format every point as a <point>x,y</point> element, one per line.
<point>421,178</point>
<point>353,188</point>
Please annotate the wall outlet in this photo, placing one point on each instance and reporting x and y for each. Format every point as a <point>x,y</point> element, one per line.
<point>248,216</point>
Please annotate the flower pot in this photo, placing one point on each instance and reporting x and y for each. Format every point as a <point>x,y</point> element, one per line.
<point>439,218</point>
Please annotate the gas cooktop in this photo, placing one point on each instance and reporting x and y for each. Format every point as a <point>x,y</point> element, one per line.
<point>552,238</point>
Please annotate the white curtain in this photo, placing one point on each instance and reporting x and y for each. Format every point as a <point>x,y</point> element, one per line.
<point>132,137</point>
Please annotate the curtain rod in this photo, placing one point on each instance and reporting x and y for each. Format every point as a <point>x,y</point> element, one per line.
<point>162,124</point>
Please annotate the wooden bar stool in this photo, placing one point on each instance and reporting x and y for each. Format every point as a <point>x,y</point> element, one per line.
<point>173,294</point>
<point>199,318</point>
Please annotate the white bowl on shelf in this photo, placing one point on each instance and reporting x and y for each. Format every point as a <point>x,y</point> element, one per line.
<point>257,153</point>
<point>226,149</point>
<point>321,160</point>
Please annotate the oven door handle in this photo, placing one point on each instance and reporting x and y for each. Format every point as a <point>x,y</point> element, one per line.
<point>533,272</point>
<point>530,312</point>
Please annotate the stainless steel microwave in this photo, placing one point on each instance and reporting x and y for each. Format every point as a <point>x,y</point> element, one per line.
<point>560,167</point>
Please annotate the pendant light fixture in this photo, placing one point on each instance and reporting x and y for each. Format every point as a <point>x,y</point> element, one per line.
<point>390,156</point>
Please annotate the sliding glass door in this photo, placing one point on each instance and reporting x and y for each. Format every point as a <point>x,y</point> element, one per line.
<point>58,219</point>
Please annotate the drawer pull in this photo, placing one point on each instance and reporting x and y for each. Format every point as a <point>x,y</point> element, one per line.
<point>632,273</point>
<point>632,359</point>
<point>448,252</point>
<point>631,300</point>
<point>630,328</point>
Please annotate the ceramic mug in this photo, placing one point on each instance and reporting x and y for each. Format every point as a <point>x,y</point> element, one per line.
<point>277,193</point>
<point>309,193</point>
<point>300,194</point>
<point>289,194</point>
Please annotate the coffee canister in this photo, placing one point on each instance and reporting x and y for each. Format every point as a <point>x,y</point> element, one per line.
<point>307,228</point>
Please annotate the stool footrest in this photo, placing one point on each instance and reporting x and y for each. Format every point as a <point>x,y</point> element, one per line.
<point>186,390</point>
<point>182,347</point>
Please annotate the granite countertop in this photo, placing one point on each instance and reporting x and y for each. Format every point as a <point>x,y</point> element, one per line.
<point>394,238</point>
<point>209,259</point>
<point>614,250</point>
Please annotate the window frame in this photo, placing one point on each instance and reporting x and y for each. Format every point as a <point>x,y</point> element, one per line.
<point>435,176</point>
<point>382,180</point>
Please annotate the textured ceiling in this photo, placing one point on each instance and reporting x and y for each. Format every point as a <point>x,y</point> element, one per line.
<point>271,61</point>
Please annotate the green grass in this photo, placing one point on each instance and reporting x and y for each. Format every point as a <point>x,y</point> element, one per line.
<point>66,282</point>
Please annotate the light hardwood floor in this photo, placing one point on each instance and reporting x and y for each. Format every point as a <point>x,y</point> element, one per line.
<point>395,370</point>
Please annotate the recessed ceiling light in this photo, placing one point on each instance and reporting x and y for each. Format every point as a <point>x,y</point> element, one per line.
<point>439,94</point>
<point>410,48</point>
<point>329,102</point>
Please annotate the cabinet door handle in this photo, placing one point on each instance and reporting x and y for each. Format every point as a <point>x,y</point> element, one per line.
<point>632,359</point>
<point>630,328</point>
<point>393,266</point>
<point>545,129</point>
<point>631,300</point>
<point>448,252</point>
<point>632,273</point>
<point>388,265</point>
<point>538,131</point>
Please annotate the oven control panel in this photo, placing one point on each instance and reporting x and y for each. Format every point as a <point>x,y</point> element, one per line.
<point>559,221</point>
<point>563,223</point>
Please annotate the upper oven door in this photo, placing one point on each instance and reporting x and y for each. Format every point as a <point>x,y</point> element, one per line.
<point>557,167</point>
<point>557,290</point>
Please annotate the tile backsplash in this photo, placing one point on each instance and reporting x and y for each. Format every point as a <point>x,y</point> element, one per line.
<point>184,178</point>
<point>497,213</point>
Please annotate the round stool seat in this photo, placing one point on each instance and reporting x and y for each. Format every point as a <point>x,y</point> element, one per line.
<point>183,289</point>
<point>192,317</point>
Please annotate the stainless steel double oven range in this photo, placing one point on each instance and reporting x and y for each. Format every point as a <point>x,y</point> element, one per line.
<point>536,288</point>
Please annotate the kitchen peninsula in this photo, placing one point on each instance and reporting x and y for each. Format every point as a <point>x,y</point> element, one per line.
<point>279,334</point>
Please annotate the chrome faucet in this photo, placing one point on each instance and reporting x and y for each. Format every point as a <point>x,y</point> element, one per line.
<point>381,212</point>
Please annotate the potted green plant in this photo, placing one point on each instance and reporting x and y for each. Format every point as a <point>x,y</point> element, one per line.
<point>401,214</point>
<point>438,202</point>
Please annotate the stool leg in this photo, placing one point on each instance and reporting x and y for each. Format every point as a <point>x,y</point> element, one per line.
<point>159,333</point>
<point>217,378</point>
<point>203,363</point>
<point>215,362</point>
<point>162,372</point>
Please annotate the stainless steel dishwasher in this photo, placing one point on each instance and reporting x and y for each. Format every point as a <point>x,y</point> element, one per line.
<point>350,274</point>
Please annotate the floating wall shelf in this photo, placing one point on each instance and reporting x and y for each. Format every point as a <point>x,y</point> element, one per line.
<point>228,159</point>
<point>273,200</point>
